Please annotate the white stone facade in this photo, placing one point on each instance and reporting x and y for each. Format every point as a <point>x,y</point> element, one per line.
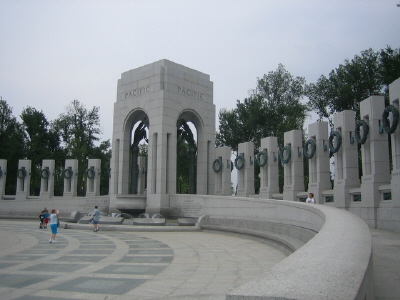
<point>162,93</point>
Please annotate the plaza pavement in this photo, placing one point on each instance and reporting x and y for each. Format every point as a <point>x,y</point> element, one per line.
<point>150,265</point>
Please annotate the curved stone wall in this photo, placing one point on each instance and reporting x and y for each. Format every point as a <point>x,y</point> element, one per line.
<point>332,248</point>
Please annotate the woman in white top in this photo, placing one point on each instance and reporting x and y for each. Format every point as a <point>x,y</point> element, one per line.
<point>53,225</point>
<point>310,198</point>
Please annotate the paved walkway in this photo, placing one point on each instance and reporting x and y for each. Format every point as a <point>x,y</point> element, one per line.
<point>150,265</point>
<point>386,262</point>
<point>126,265</point>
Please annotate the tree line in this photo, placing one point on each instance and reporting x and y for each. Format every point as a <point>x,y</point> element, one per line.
<point>280,102</point>
<point>75,134</point>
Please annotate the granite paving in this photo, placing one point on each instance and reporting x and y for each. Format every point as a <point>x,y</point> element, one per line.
<point>126,265</point>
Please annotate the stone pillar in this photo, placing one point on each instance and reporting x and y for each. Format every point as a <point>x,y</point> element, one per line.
<point>93,177</point>
<point>142,174</point>
<point>318,165</point>
<point>394,94</point>
<point>23,179</point>
<point>346,159</point>
<point>269,174</point>
<point>375,158</point>
<point>3,177</point>
<point>223,177</point>
<point>246,174</point>
<point>47,179</point>
<point>70,174</point>
<point>294,169</point>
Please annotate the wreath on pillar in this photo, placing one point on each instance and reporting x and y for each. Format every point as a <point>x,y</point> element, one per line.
<point>90,173</point>
<point>217,165</point>
<point>21,173</point>
<point>68,173</point>
<point>239,158</point>
<point>310,154</point>
<point>282,154</point>
<point>361,140</point>
<point>45,173</point>
<point>335,149</point>
<point>263,154</point>
<point>385,121</point>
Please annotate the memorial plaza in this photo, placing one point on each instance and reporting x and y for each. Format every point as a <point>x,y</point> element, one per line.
<point>269,245</point>
<point>122,263</point>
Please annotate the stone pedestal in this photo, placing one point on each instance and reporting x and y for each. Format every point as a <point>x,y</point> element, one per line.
<point>318,165</point>
<point>70,174</point>
<point>47,179</point>
<point>223,177</point>
<point>375,158</point>
<point>294,168</point>
<point>346,159</point>
<point>269,174</point>
<point>3,177</point>
<point>23,179</point>
<point>93,177</point>
<point>394,93</point>
<point>246,174</point>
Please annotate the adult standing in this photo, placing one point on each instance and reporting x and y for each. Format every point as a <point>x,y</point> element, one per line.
<point>96,217</point>
<point>310,198</point>
<point>53,225</point>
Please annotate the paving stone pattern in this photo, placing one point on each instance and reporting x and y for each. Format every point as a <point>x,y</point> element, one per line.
<point>126,265</point>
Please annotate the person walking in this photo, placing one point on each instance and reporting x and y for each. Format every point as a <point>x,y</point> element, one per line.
<point>96,217</point>
<point>53,225</point>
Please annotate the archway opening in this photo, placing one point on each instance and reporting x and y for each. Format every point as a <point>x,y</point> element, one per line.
<point>186,168</point>
<point>138,157</point>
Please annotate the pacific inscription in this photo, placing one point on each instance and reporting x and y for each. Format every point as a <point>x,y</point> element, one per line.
<point>190,93</point>
<point>137,92</point>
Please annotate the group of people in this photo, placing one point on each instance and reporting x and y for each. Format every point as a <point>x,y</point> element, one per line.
<point>52,218</point>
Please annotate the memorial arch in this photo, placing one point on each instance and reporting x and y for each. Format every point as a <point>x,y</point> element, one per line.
<point>161,97</point>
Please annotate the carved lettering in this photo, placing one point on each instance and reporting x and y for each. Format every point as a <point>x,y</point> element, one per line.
<point>190,93</point>
<point>137,92</point>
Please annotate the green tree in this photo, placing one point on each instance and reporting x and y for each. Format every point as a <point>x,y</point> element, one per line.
<point>182,166</point>
<point>79,129</point>
<point>12,145</point>
<point>41,143</point>
<point>271,109</point>
<point>389,67</point>
<point>365,75</point>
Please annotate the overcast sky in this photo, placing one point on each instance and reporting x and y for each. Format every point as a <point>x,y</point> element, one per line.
<point>53,52</point>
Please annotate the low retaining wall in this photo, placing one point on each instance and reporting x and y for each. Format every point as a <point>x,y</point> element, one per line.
<point>332,248</point>
<point>31,207</point>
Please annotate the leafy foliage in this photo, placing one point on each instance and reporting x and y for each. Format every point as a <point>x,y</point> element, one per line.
<point>41,142</point>
<point>273,108</point>
<point>79,129</point>
<point>367,74</point>
<point>12,144</point>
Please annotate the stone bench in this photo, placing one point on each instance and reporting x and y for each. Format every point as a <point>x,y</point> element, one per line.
<point>148,221</point>
<point>186,221</point>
